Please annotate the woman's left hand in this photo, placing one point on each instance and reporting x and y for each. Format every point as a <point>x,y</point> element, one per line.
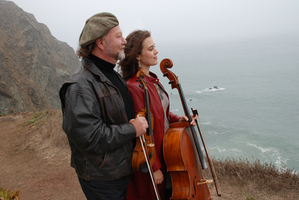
<point>185,118</point>
<point>158,176</point>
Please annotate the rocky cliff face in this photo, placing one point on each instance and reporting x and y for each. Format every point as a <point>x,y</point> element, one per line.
<point>33,63</point>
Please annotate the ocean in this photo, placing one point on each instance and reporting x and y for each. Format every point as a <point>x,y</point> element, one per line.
<point>246,93</point>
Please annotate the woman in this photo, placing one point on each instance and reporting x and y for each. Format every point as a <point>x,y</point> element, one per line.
<point>141,54</point>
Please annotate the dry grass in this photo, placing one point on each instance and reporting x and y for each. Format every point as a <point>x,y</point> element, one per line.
<point>257,179</point>
<point>45,135</point>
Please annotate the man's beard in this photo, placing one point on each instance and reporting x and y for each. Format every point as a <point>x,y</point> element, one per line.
<point>121,55</point>
<point>118,56</point>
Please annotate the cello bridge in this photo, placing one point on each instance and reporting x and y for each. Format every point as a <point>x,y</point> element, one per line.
<point>150,145</point>
<point>204,181</point>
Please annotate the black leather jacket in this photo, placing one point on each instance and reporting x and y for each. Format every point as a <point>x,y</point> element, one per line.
<point>96,124</point>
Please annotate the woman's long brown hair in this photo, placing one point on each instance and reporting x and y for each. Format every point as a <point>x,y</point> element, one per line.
<point>129,66</point>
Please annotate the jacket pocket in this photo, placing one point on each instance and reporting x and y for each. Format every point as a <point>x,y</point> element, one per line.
<point>101,159</point>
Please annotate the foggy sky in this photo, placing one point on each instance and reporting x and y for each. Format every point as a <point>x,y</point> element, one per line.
<point>172,20</point>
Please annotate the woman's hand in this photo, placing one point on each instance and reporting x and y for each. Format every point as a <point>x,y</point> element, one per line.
<point>185,118</point>
<point>158,176</point>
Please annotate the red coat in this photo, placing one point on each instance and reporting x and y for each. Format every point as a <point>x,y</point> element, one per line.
<point>140,186</point>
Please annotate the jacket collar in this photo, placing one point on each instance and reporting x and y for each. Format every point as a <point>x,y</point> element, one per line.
<point>90,66</point>
<point>153,78</point>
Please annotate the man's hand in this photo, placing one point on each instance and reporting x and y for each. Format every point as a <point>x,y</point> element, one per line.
<point>140,125</point>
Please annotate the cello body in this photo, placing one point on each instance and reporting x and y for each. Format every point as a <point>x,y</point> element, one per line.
<point>183,164</point>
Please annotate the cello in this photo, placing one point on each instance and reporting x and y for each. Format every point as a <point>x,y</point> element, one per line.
<point>182,152</point>
<point>144,153</point>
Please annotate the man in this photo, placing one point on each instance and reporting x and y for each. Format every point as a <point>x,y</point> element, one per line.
<point>98,112</point>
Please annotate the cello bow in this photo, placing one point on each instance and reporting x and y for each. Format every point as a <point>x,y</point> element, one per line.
<point>212,170</point>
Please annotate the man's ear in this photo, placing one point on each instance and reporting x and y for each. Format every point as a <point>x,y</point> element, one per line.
<point>100,43</point>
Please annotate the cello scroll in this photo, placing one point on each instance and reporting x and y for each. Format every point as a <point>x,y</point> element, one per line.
<point>173,79</point>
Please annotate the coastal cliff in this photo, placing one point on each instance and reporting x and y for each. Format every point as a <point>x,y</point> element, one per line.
<point>33,63</point>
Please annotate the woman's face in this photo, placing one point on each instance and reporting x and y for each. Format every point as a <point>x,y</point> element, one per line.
<point>148,56</point>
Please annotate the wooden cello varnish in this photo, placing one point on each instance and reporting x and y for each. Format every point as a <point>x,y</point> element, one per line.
<point>182,152</point>
<point>183,164</point>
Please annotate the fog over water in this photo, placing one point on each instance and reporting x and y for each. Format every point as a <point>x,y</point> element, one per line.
<point>192,21</point>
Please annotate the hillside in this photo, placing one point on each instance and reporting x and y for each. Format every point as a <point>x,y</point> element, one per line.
<point>35,156</point>
<point>35,161</point>
<point>33,63</point>
<point>37,164</point>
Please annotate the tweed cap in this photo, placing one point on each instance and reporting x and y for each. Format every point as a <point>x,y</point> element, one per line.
<point>97,26</point>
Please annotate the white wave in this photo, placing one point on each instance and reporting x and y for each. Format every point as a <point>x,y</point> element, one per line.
<point>211,89</point>
<point>220,150</point>
<point>281,162</point>
<point>263,150</point>
<point>235,150</point>
<point>274,154</point>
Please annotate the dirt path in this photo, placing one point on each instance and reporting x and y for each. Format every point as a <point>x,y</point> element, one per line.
<point>37,171</point>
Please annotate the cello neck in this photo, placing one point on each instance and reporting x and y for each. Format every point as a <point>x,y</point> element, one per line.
<point>184,103</point>
<point>194,133</point>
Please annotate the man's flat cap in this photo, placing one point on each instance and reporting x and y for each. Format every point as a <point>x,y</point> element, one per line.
<point>97,26</point>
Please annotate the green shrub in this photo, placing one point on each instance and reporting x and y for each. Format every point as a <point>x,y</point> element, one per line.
<point>248,196</point>
<point>8,194</point>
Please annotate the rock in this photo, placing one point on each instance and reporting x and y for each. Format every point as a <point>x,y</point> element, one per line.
<point>33,63</point>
